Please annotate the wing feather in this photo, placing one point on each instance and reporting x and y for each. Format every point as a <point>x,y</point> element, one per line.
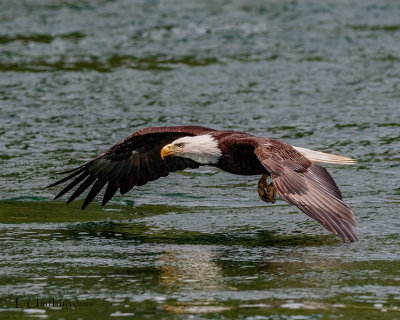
<point>308,186</point>
<point>82,187</point>
<point>142,172</point>
<point>152,172</point>
<point>72,184</point>
<point>76,172</point>
<point>132,162</point>
<point>96,188</point>
<point>110,191</point>
<point>126,178</point>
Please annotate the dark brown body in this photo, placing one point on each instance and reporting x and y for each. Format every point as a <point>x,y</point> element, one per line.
<point>238,158</point>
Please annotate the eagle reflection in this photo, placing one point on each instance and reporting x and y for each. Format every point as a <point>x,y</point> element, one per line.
<point>193,267</point>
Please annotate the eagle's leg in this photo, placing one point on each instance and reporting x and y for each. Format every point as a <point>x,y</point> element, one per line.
<point>267,192</point>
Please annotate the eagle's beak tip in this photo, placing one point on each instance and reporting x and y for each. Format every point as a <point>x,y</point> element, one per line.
<point>166,151</point>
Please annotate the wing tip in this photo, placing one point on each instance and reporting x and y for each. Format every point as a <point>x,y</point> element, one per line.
<point>342,228</point>
<point>353,237</point>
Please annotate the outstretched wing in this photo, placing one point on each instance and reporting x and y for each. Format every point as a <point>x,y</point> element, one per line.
<point>134,161</point>
<point>308,186</point>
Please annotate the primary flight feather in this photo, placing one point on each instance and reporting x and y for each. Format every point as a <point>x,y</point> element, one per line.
<point>154,152</point>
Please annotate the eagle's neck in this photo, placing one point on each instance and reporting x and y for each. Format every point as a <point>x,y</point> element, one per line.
<point>202,149</point>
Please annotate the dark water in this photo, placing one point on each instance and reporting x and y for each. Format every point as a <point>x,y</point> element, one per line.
<point>77,76</point>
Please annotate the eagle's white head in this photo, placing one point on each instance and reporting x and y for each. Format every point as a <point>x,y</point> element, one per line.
<point>202,149</point>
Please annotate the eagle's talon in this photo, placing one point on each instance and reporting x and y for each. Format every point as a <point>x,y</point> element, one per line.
<point>267,192</point>
<point>271,192</point>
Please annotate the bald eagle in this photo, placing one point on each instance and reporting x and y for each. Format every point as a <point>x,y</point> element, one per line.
<point>154,152</point>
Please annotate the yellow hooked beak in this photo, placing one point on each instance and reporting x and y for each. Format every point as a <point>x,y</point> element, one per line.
<point>170,150</point>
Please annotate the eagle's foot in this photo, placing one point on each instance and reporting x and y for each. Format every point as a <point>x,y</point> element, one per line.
<point>267,192</point>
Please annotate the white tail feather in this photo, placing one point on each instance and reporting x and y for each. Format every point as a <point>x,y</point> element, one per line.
<point>318,156</point>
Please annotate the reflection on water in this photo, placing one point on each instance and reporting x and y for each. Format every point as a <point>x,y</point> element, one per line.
<point>190,268</point>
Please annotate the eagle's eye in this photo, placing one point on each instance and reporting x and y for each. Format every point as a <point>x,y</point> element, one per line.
<point>180,145</point>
